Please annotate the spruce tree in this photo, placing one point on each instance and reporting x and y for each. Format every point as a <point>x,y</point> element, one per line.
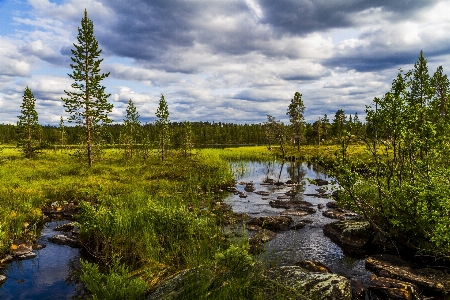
<point>87,105</point>
<point>163,125</point>
<point>62,133</point>
<point>28,126</point>
<point>295,112</point>
<point>131,130</point>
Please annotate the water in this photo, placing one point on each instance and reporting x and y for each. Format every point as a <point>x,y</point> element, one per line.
<point>307,243</point>
<point>47,276</point>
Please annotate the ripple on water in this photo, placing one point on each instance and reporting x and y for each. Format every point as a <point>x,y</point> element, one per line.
<point>308,243</point>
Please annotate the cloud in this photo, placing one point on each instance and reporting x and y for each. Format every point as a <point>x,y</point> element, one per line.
<point>12,63</point>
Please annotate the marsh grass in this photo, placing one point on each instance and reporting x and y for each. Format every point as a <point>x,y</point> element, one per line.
<point>147,219</point>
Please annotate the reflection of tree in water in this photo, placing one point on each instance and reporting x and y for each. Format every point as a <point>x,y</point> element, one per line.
<point>271,172</point>
<point>318,171</point>
<point>73,278</point>
<point>297,173</point>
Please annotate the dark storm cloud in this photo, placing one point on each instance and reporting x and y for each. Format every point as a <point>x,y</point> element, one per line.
<point>305,16</point>
<point>154,31</point>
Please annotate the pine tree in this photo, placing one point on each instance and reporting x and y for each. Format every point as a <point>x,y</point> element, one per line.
<point>28,126</point>
<point>131,130</point>
<point>295,112</point>
<point>62,133</point>
<point>163,124</point>
<point>87,105</point>
<point>187,138</point>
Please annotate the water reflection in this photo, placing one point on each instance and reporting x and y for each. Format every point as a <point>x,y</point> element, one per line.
<point>308,243</point>
<point>46,275</point>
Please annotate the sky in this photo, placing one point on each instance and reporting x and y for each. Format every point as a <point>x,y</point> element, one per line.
<point>232,61</point>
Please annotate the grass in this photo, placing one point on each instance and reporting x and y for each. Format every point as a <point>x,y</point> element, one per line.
<point>145,220</point>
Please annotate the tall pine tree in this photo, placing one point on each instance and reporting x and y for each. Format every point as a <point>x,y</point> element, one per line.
<point>295,112</point>
<point>87,104</point>
<point>131,130</point>
<point>28,126</point>
<point>163,125</point>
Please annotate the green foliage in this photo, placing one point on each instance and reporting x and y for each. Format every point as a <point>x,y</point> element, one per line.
<point>28,126</point>
<point>402,188</point>
<point>131,131</point>
<point>163,124</point>
<point>295,112</point>
<point>187,138</point>
<point>87,103</point>
<point>116,283</point>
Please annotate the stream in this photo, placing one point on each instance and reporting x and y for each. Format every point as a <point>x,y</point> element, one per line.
<point>47,276</point>
<point>307,243</point>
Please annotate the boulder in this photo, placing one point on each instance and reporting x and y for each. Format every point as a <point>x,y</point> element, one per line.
<point>314,266</point>
<point>334,214</point>
<point>388,288</point>
<point>332,204</point>
<point>299,225</point>
<point>274,223</point>
<point>320,182</point>
<point>256,242</point>
<point>358,290</point>
<point>65,227</point>
<point>69,240</point>
<point>350,234</point>
<point>8,258</point>
<point>312,285</point>
<point>392,266</point>
<point>2,279</point>
<point>20,248</point>
<point>294,205</point>
<point>293,212</point>
<point>28,255</point>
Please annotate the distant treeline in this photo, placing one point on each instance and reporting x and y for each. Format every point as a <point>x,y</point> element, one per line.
<point>203,133</point>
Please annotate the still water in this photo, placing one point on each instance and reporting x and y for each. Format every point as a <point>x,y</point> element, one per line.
<point>307,243</point>
<point>47,276</point>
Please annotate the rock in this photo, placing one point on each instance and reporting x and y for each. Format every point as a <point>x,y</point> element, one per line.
<point>253,228</point>
<point>39,246</point>
<point>320,182</point>
<point>299,225</point>
<point>293,212</point>
<point>349,233</point>
<point>332,204</point>
<point>293,205</point>
<point>57,209</point>
<point>21,247</point>
<point>249,187</point>
<point>2,279</point>
<point>65,227</point>
<point>358,290</point>
<point>334,214</point>
<point>314,266</point>
<point>291,193</point>
<point>263,193</point>
<point>257,241</point>
<point>62,239</point>
<point>394,267</point>
<point>284,197</point>
<point>28,255</point>
<point>274,223</point>
<point>8,258</point>
<point>263,236</point>
<point>388,288</point>
<point>312,285</point>
<point>320,206</point>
